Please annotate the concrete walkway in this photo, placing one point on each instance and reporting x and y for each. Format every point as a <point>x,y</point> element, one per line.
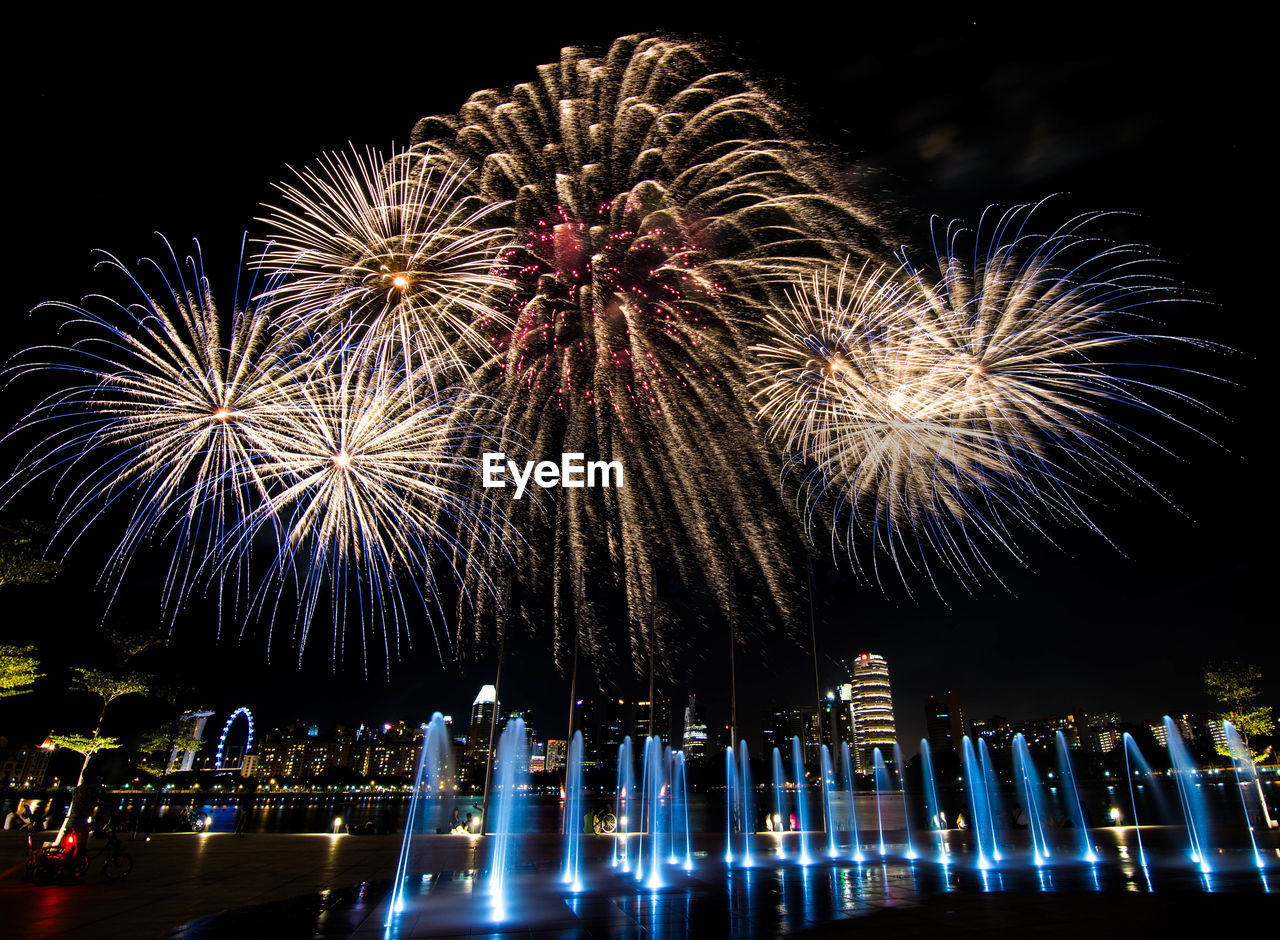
<point>178,878</point>
<point>182,876</point>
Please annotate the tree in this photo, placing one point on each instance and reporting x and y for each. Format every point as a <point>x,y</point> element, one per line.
<point>1235,687</point>
<point>108,687</point>
<point>159,746</point>
<point>127,645</point>
<point>19,669</point>
<point>84,744</point>
<point>21,559</point>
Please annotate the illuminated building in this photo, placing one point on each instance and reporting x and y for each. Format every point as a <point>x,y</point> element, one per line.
<point>555,754</point>
<point>872,701</point>
<point>944,721</point>
<point>1039,733</point>
<point>24,766</point>
<point>837,719</point>
<point>184,758</point>
<point>694,739</point>
<point>584,721</point>
<point>476,756</point>
<point>394,753</point>
<point>1098,732</point>
<point>297,756</point>
<point>793,721</point>
<point>1218,733</point>
<point>660,711</point>
<point>613,730</point>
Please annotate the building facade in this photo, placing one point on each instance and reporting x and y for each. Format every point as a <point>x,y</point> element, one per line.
<point>475,757</point>
<point>872,706</point>
<point>787,722</point>
<point>945,724</point>
<point>694,738</point>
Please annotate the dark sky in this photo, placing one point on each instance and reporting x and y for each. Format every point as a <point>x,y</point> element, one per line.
<point>115,132</point>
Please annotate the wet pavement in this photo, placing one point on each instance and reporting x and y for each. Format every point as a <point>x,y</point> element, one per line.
<point>214,887</point>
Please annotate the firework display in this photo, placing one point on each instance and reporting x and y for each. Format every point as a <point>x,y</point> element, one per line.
<point>265,471</point>
<point>369,490</point>
<point>939,414</point>
<point>635,258</point>
<point>392,248</point>
<point>658,203</point>
<point>163,415</point>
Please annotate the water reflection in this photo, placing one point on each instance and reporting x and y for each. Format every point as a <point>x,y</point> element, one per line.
<point>764,901</point>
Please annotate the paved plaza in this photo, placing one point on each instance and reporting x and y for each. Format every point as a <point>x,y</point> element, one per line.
<point>182,876</point>
<point>271,882</point>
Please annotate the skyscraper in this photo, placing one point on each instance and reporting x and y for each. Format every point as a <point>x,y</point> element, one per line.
<point>613,724</point>
<point>659,709</point>
<point>585,721</point>
<point>555,754</point>
<point>837,719</point>
<point>873,724</point>
<point>694,740</point>
<point>477,753</point>
<point>785,722</point>
<point>944,720</point>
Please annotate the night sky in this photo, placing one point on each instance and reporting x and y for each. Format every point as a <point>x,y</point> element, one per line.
<point>115,133</point>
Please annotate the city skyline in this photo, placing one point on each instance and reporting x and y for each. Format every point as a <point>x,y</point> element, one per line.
<point>854,712</point>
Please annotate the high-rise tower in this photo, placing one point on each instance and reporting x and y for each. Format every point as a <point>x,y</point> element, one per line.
<point>872,702</point>
<point>477,752</point>
<point>694,739</point>
<point>944,720</point>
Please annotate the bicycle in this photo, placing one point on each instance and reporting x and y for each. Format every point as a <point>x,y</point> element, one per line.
<point>66,861</point>
<point>182,819</point>
<point>118,863</point>
<point>605,823</point>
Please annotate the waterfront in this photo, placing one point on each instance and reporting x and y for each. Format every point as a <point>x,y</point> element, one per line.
<point>317,810</point>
